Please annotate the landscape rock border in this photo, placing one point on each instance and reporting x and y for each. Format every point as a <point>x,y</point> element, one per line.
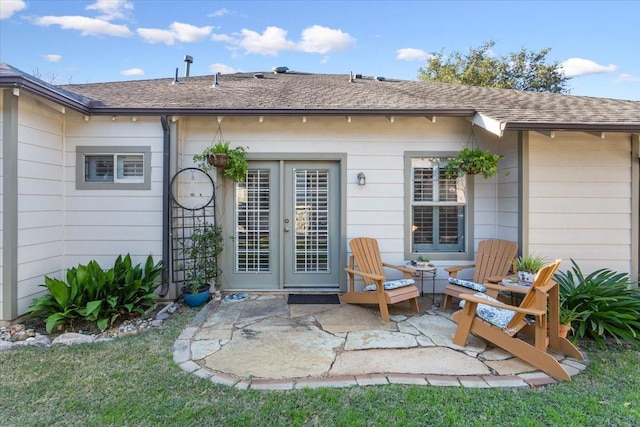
<point>18,335</point>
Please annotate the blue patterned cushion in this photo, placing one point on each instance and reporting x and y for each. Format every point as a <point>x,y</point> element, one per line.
<point>467,284</point>
<point>392,284</point>
<point>499,317</point>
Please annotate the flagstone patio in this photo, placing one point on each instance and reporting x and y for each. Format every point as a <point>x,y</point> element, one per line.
<point>264,343</point>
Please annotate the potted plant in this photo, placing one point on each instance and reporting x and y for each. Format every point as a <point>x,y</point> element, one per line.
<point>472,161</point>
<point>201,254</point>
<point>527,267</point>
<point>567,317</point>
<point>233,161</point>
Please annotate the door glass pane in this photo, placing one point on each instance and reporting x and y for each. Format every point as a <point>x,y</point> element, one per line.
<point>311,222</point>
<point>252,223</point>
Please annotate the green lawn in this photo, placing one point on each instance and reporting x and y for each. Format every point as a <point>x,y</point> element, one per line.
<point>134,382</point>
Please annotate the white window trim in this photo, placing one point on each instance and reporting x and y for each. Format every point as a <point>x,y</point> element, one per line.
<point>116,184</point>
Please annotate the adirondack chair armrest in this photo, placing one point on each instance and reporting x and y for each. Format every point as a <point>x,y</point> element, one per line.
<point>496,279</point>
<point>453,271</point>
<point>532,311</point>
<point>498,287</point>
<point>399,267</point>
<point>375,277</point>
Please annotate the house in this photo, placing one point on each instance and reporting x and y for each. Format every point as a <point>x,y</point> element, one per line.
<point>87,173</point>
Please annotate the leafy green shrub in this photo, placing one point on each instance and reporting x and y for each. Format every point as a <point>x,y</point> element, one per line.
<point>94,295</point>
<point>608,303</point>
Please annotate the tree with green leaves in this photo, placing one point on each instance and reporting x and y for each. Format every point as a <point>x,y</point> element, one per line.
<point>521,70</point>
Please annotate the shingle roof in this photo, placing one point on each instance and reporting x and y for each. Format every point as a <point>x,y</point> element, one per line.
<point>301,93</point>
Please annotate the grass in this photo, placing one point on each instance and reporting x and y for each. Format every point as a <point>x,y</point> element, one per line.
<point>134,381</point>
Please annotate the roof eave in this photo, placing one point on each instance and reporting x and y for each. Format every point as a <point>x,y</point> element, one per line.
<point>465,112</point>
<point>31,86</point>
<point>592,127</point>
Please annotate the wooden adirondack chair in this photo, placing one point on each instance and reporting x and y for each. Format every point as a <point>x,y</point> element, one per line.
<point>366,256</point>
<point>493,261</point>
<point>500,323</point>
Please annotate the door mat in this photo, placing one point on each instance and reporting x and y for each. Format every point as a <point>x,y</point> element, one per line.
<point>313,299</point>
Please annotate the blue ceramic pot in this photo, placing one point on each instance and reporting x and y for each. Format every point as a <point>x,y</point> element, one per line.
<point>196,300</point>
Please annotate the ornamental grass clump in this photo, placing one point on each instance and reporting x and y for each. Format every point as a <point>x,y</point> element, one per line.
<point>91,294</point>
<point>608,304</point>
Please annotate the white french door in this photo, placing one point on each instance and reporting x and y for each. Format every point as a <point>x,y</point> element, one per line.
<point>286,227</point>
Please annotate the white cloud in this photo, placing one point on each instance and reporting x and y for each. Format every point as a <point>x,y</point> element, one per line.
<point>154,35</point>
<point>574,67</point>
<point>411,54</point>
<point>221,12</point>
<point>9,7</point>
<point>222,69</point>
<point>222,38</point>
<point>52,57</point>
<point>87,26</point>
<point>132,72</point>
<point>624,77</point>
<point>273,40</point>
<point>189,33</point>
<point>177,31</point>
<point>270,42</point>
<point>317,39</point>
<point>112,9</point>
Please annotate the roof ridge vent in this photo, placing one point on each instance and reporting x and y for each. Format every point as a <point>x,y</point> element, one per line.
<point>280,70</point>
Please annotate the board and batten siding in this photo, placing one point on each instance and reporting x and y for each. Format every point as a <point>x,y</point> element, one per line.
<point>102,224</point>
<point>377,147</point>
<point>40,197</point>
<point>579,199</point>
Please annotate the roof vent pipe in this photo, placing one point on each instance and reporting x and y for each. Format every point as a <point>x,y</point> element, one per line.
<point>175,80</point>
<point>188,59</point>
<point>215,81</point>
<point>350,76</point>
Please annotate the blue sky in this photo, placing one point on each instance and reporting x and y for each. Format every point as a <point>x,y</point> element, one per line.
<point>110,40</point>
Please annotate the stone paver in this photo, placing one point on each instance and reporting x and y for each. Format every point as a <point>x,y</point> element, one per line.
<point>473,382</point>
<point>340,381</point>
<point>510,366</point>
<point>262,343</point>
<point>416,379</point>
<point>429,360</point>
<point>443,380</point>
<point>361,340</point>
<point>285,348</point>
<point>371,379</point>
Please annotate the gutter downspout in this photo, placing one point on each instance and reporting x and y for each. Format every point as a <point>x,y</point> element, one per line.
<point>166,190</point>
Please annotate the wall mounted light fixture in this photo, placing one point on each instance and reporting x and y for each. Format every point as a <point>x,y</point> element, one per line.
<point>362,179</point>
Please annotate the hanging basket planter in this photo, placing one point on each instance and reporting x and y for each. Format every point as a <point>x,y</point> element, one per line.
<point>218,160</point>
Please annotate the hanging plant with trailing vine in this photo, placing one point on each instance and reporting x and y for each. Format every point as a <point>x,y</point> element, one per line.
<point>472,160</point>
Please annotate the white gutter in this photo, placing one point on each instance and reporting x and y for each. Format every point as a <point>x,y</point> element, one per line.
<point>492,125</point>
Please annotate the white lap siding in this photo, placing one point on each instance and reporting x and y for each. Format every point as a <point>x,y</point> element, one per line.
<point>40,197</point>
<point>580,199</point>
<point>102,224</point>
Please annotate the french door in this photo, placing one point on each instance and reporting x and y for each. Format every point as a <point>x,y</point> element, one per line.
<point>286,227</point>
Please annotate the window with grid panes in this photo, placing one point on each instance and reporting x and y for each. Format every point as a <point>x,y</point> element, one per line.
<point>113,167</point>
<point>438,208</point>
